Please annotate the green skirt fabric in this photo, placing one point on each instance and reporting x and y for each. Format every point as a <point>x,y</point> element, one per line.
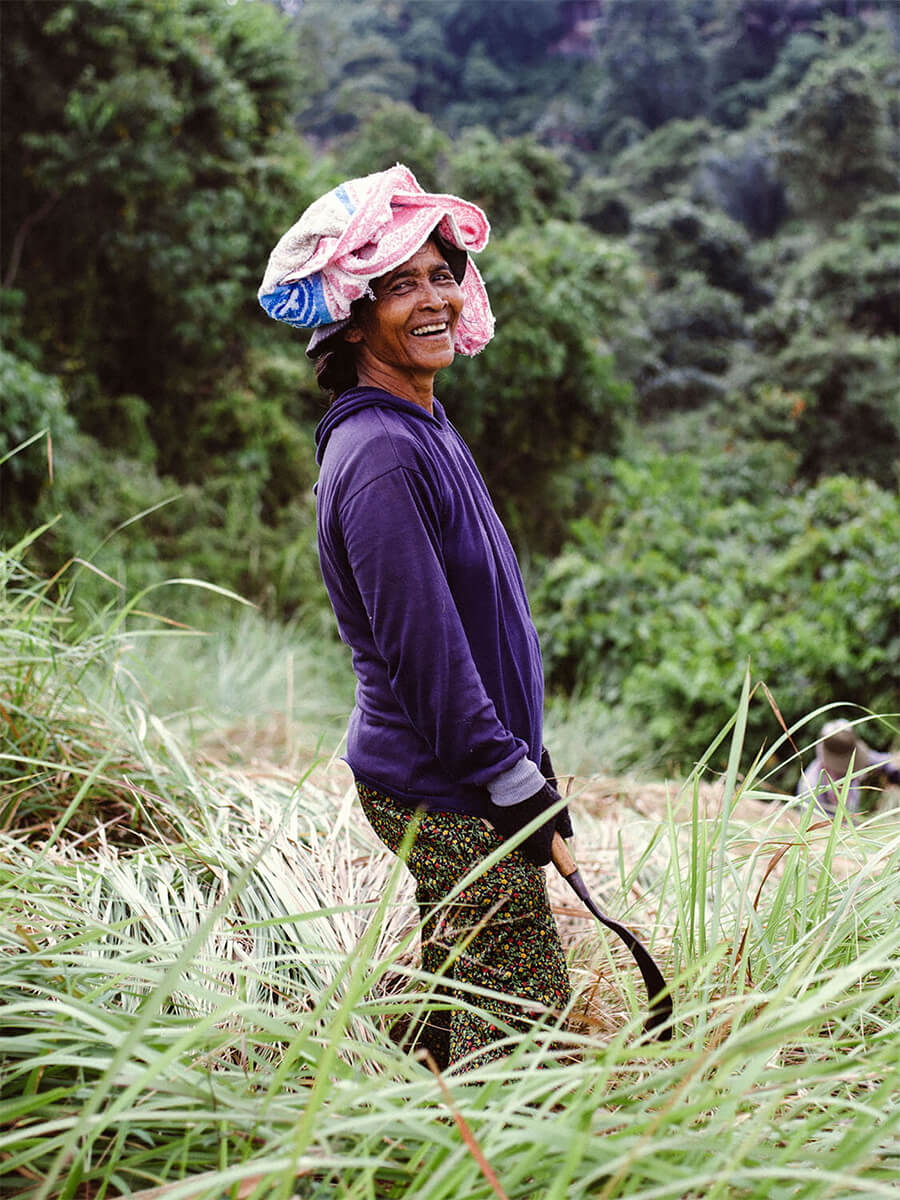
<point>498,933</point>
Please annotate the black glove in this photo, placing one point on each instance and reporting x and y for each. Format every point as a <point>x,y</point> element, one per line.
<point>510,818</point>
<point>564,820</point>
<point>547,768</point>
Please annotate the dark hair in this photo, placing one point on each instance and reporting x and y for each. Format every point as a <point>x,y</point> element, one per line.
<point>336,367</point>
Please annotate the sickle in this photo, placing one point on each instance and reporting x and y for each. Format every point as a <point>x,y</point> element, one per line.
<point>660,1016</point>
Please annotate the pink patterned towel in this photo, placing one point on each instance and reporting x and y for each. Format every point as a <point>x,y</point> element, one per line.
<point>360,230</point>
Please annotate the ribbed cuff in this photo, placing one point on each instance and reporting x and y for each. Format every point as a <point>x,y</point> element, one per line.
<point>517,784</point>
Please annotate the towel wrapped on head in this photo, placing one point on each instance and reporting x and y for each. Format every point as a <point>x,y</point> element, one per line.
<point>360,231</point>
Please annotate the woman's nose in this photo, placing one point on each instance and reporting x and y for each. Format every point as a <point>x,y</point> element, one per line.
<point>430,296</point>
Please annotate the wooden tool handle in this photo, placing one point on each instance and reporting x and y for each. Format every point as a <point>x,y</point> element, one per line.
<point>562,859</point>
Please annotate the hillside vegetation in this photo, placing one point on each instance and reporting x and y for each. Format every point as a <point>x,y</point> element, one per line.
<point>689,416</point>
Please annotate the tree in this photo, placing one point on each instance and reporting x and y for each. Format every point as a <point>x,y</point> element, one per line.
<point>516,181</point>
<point>659,167</point>
<point>677,236</point>
<point>394,133</point>
<point>739,177</point>
<point>146,172</point>
<point>835,147</point>
<point>149,170</point>
<point>654,60</point>
<point>849,411</point>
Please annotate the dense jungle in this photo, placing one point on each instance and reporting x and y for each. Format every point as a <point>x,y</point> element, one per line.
<point>688,416</point>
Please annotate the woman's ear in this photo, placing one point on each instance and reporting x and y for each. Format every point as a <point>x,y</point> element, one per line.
<point>353,334</point>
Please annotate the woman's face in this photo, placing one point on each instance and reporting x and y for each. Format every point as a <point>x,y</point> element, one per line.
<point>407,332</point>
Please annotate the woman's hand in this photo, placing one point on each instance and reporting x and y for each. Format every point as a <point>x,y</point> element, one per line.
<point>509,819</point>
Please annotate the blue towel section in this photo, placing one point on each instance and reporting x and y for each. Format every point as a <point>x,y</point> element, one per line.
<point>342,195</point>
<point>301,303</point>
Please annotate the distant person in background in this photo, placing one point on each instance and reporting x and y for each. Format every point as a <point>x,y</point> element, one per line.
<point>840,751</point>
<point>428,594</point>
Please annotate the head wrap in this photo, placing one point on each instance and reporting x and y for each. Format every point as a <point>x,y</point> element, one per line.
<point>839,745</point>
<point>360,230</point>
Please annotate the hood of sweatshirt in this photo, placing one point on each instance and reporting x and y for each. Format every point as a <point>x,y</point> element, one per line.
<point>357,398</point>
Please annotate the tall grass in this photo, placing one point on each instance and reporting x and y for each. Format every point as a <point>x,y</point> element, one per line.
<point>202,957</point>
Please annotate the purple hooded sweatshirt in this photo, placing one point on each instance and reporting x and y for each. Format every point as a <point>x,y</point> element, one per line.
<point>428,595</point>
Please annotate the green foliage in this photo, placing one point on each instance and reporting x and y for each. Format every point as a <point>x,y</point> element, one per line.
<point>654,61</point>
<point>605,205</point>
<point>657,608</point>
<point>149,170</point>
<point>738,176</point>
<point>677,236</point>
<point>249,526</point>
<point>658,167</point>
<point>829,344</point>
<point>737,156</point>
<point>701,267</point>
<point>740,89</point>
<point>835,144</point>
<point>517,182</point>
<point>396,133</point>
<point>545,391</point>
<point>851,278</point>
<point>462,63</point>
<point>851,416</point>
<point>155,173</point>
<point>32,402</point>
<point>696,325</point>
<point>671,389</point>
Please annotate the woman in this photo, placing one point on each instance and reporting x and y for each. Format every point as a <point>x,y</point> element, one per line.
<point>427,593</point>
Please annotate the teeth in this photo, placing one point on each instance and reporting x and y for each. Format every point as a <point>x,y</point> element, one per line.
<point>423,329</point>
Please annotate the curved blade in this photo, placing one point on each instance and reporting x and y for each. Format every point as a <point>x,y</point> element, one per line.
<point>659,1020</point>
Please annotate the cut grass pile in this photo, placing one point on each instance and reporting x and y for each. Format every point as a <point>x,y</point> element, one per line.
<point>202,956</point>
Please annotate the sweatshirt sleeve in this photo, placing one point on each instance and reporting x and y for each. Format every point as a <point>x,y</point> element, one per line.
<point>391,534</point>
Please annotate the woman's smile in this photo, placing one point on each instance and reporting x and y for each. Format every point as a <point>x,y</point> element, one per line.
<point>406,334</point>
<point>430,330</point>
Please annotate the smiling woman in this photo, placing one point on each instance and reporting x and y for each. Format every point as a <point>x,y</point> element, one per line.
<point>446,732</point>
<point>405,335</point>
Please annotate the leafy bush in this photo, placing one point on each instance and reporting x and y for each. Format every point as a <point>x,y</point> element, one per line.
<point>851,420</point>
<point>605,205</point>
<point>675,236</point>
<point>842,385</point>
<point>696,325</point>
<point>658,607</point>
<point>674,388</point>
<point>852,277</point>
<point>735,98</point>
<point>835,145</point>
<point>148,168</point>
<point>32,401</point>
<point>654,61</point>
<point>659,167</point>
<point>517,181</point>
<point>394,132</point>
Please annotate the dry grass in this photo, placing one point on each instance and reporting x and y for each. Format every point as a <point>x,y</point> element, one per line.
<point>195,985</point>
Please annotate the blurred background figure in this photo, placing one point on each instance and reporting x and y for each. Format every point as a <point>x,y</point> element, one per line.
<point>838,752</point>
